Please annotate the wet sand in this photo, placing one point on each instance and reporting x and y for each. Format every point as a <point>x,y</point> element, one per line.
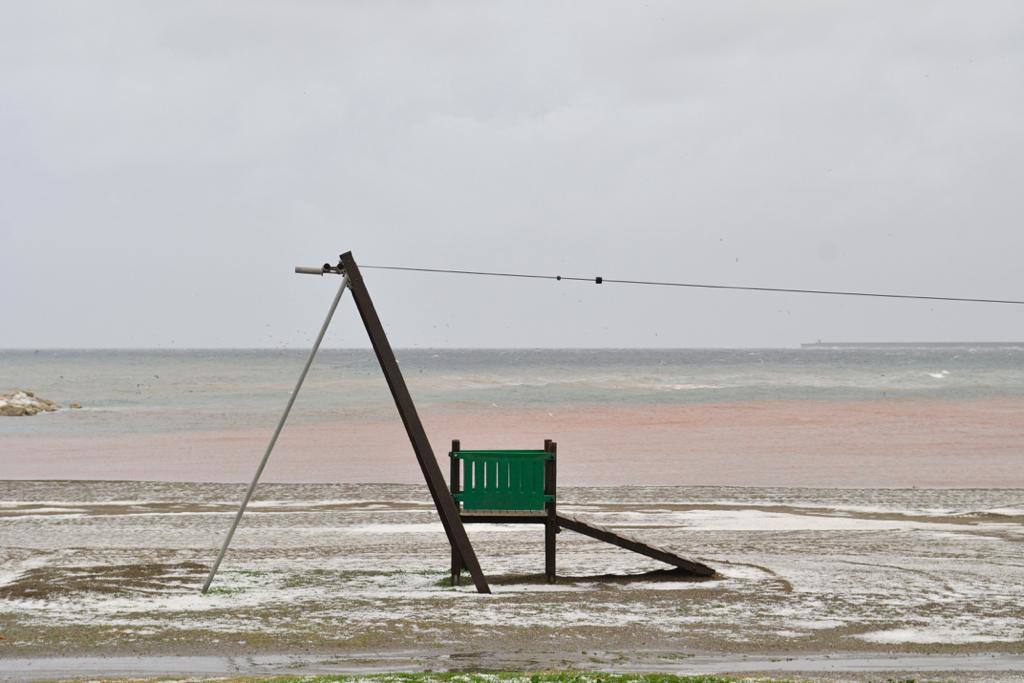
<point>876,443</point>
<point>840,583</point>
<point>835,667</point>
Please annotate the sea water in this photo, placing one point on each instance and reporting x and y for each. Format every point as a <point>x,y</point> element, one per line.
<point>139,391</point>
<point>956,402</point>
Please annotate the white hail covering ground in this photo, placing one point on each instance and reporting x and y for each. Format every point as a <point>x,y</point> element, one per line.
<point>859,570</point>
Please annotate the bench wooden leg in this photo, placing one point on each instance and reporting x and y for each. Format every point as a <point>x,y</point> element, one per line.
<point>550,529</point>
<point>456,567</point>
<point>453,486</point>
<point>551,524</point>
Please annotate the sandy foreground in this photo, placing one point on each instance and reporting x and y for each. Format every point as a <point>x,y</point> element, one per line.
<point>102,578</point>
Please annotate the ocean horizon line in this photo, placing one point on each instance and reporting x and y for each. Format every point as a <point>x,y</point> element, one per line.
<point>801,346</point>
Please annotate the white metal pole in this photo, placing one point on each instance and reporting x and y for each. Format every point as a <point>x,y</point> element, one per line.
<point>277,432</point>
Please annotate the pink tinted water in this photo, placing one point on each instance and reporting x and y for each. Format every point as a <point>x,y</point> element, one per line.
<point>871,443</point>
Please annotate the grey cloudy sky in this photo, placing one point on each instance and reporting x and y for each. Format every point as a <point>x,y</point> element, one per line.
<point>164,165</point>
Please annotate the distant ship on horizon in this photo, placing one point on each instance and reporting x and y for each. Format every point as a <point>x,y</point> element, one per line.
<point>913,345</point>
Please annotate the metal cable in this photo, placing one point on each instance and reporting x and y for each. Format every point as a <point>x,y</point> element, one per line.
<point>696,285</point>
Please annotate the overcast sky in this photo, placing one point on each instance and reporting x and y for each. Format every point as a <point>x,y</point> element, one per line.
<point>164,165</point>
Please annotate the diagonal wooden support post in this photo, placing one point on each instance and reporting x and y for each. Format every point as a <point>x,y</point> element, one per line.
<point>414,428</point>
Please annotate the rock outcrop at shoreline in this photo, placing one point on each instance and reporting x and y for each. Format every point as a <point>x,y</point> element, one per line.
<point>18,403</point>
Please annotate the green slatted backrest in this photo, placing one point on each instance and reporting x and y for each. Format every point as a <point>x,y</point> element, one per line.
<point>502,480</point>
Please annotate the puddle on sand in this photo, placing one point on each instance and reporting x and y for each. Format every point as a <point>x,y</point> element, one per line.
<point>85,667</point>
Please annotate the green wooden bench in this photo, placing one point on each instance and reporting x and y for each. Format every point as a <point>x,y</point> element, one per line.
<point>502,481</point>
<point>506,487</point>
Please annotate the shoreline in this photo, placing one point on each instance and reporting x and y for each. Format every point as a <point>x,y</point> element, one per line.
<point>609,487</point>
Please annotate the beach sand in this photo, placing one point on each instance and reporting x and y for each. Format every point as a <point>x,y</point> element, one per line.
<point>840,583</point>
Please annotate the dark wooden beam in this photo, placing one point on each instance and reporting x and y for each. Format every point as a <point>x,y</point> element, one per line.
<point>470,518</point>
<point>453,484</point>
<point>414,428</point>
<point>551,527</point>
<point>636,545</point>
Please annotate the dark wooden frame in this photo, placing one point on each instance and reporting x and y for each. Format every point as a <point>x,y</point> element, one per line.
<point>549,518</point>
<point>551,522</point>
<point>446,508</point>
